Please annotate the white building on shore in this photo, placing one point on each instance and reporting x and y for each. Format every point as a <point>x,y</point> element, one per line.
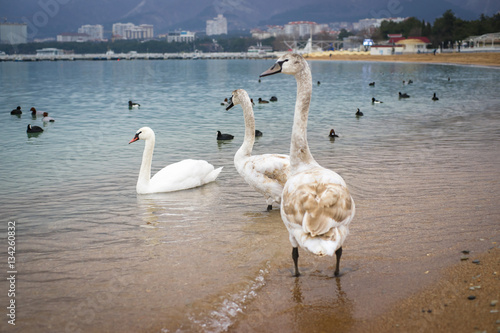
<point>95,32</point>
<point>49,51</point>
<point>304,28</point>
<point>72,37</point>
<point>180,37</point>
<point>119,29</point>
<point>217,26</point>
<point>13,33</point>
<point>132,31</point>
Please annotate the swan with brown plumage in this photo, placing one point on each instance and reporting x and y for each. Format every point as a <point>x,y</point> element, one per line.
<point>316,206</point>
<point>266,173</point>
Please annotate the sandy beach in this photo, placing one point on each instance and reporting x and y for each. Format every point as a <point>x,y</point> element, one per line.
<point>481,59</point>
<point>464,300</point>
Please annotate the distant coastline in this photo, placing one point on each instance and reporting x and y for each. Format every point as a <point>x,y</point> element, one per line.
<point>459,58</point>
<point>137,56</point>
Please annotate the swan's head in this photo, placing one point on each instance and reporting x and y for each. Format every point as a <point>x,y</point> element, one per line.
<point>144,133</point>
<point>290,63</point>
<point>237,97</point>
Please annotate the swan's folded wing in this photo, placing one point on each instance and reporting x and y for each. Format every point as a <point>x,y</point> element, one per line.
<point>181,175</point>
<point>272,167</point>
<point>318,207</point>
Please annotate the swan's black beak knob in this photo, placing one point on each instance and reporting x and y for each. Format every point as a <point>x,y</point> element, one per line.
<point>136,137</point>
<point>230,103</point>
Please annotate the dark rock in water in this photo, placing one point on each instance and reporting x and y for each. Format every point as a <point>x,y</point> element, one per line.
<point>465,251</point>
<point>471,297</point>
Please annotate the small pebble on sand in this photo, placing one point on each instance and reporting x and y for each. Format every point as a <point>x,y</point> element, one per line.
<point>471,297</point>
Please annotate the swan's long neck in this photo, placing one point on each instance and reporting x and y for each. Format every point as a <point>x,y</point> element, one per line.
<point>299,149</point>
<point>147,157</point>
<point>249,140</point>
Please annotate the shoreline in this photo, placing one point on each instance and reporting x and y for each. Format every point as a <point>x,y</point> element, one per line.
<point>440,302</point>
<point>491,59</point>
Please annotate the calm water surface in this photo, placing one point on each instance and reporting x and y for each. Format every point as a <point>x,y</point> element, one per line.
<point>92,255</point>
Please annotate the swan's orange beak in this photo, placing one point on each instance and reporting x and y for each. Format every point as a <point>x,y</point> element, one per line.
<point>136,137</point>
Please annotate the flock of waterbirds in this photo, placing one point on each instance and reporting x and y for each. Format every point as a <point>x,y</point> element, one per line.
<point>315,204</point>
<point>33,130</point>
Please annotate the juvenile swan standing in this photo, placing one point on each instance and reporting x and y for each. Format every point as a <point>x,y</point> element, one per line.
<point>267,173</point>
<point>316,206</point>
<point>174,177</point>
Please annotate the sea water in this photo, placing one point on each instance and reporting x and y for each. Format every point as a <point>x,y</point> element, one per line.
<point>92,255</point>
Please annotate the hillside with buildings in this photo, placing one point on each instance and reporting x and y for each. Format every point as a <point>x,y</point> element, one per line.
<point>46,19</point>
<point>449,31</point>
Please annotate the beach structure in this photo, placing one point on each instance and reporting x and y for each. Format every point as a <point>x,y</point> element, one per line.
<point>397,44</point>
<point>486,42</point>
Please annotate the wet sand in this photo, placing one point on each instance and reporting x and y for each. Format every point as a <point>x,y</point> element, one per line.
<point>482,59</point>
<point>441,306</point>
<point>464,300</point>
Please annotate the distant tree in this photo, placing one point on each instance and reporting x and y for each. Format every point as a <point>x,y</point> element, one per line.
<point>323,36</point>
<point>279,43</point>
<point>442,31</point>
<point>411,27</point>
<point>344,33</point>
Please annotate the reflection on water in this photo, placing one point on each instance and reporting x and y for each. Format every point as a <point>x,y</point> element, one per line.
<point>320,312</point>
<point>95,256</point>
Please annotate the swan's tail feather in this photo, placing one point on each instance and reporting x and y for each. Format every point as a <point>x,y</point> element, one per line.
<point>213,175</point>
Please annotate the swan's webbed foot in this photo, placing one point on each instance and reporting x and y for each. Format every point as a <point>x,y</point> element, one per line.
<point>338,254</point>
<point>295,257</point>
<point>269,208</point>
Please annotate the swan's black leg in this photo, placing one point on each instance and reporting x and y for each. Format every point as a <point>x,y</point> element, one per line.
<point>269,207</point>
<point>338,254</point>
<point>295,256</point>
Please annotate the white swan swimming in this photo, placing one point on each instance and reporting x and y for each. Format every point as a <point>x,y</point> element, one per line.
<point>174,177</point>
<point>316,205</point>
<point>267,173</point>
